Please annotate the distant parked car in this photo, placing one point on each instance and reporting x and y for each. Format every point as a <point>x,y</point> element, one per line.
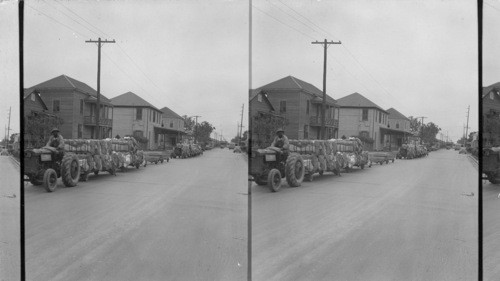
<point>232,145</point>
<point>463,150</point>
<point>237,149</point>
<point>4,152</point>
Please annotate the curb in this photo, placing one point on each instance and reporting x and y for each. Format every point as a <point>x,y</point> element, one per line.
<point>473,161</point>
<point>14,160</point>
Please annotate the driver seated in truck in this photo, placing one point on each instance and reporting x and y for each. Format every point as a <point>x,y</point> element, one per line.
<point>281,141</point>
<point>56,140</point>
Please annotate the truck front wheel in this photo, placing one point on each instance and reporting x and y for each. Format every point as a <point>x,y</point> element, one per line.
<point>274,180</point>
<point>50,180</point>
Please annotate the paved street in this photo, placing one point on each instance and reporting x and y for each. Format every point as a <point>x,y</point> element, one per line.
<point>408,220</point>
<point>10,243</point>
<point>491,230</point>
<point>182,220</point>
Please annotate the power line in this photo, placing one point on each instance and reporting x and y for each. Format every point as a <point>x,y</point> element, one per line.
<point>70,17</point>
<point>76,14</point>
<point>292,16</point>
<point>57,21</point>
<point>283,23</point>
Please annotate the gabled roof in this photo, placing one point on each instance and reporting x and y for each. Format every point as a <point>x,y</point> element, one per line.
<point>357,100</point>
<point>130,99</point>
<point>489,88</point>
<point>167,112</point>
<point>26,94</point>
<point>394,114</point>
<point>66,82</point>
<point>292,83</point>
<point>254,93</point>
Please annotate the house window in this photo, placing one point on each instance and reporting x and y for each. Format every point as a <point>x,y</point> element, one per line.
<point>365,115</point>
<point>81,107</point>
<point>80,131</point>
<point>492,96</point>
<point>259,97</point>
<point>380,117</point>
<point>307,107</point>
<point>306,131</point>
<point>364,134</point>
<point>56,105</point>
<point>397,125</point>
<point>282,106</point>
<point>154,116</point>
<point>171,124</point>
<point>138,133</point>
<point>138,114</point>
<point>33,97</point>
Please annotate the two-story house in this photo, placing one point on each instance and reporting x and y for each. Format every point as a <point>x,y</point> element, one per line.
<point>300,104</point>
<point>398,129</point>
<point>361,117</point>
<point>263,119</point>
<point>136,117</point>
<point>75,102</point>
<point>174,126</point>
<point>491,115</point>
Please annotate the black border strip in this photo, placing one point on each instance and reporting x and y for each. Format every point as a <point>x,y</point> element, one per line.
<point>21,135</point>
<point>480,137</point>
<point>249,153</point>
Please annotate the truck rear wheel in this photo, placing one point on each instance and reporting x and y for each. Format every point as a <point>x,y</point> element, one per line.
<point>50,180</point>
<point>274,180</point>
<point>70,170</point>
<point>294,170</point>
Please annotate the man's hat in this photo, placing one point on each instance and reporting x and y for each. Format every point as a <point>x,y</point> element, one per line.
<point>280,130</point>
<point>54,130</point>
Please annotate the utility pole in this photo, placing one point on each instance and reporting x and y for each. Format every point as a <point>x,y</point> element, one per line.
<point>8,128</point>
<point>467,128</point>
<point>241,123</point>
<point>422,127</point>
<point>195,125</point>
<point>98,105</point>
<point>325,46</point>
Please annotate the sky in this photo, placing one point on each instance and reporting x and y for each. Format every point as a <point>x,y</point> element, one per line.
<point>191,56</point>
<point>491,42</point>
<point>9,67</point>
<point>417,56</point>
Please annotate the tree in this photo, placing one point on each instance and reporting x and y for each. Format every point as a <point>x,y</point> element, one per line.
<point>264,127</point>
<point>428,133</point>
<point>37,128</point>
<point>189,123</point>
<point>202,132</point>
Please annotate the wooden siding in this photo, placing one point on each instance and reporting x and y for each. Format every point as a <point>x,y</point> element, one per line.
<point>124,123</point>
<point>351,124</point>
<point>30,105</point>
<point>296,120</point>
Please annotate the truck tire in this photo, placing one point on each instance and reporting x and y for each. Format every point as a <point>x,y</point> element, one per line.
<point>70,170</point>
<point>294,170</point>
<point>50,180</point>
<point>274,180</point>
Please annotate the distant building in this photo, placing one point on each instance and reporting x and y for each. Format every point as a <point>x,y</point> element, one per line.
<point>33,103</point>
<point>136,117</point>
<point>75,103</point>
<point>398,129</point>
<point>300,104</point>
<point>359,116</point>
<point>174,127</point>
<point>491,115</point>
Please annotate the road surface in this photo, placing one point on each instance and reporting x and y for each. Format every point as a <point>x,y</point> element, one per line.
<point>491,231</point>
<point>409,220</point>
<point>182,220</point>
<point>10,220</point>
